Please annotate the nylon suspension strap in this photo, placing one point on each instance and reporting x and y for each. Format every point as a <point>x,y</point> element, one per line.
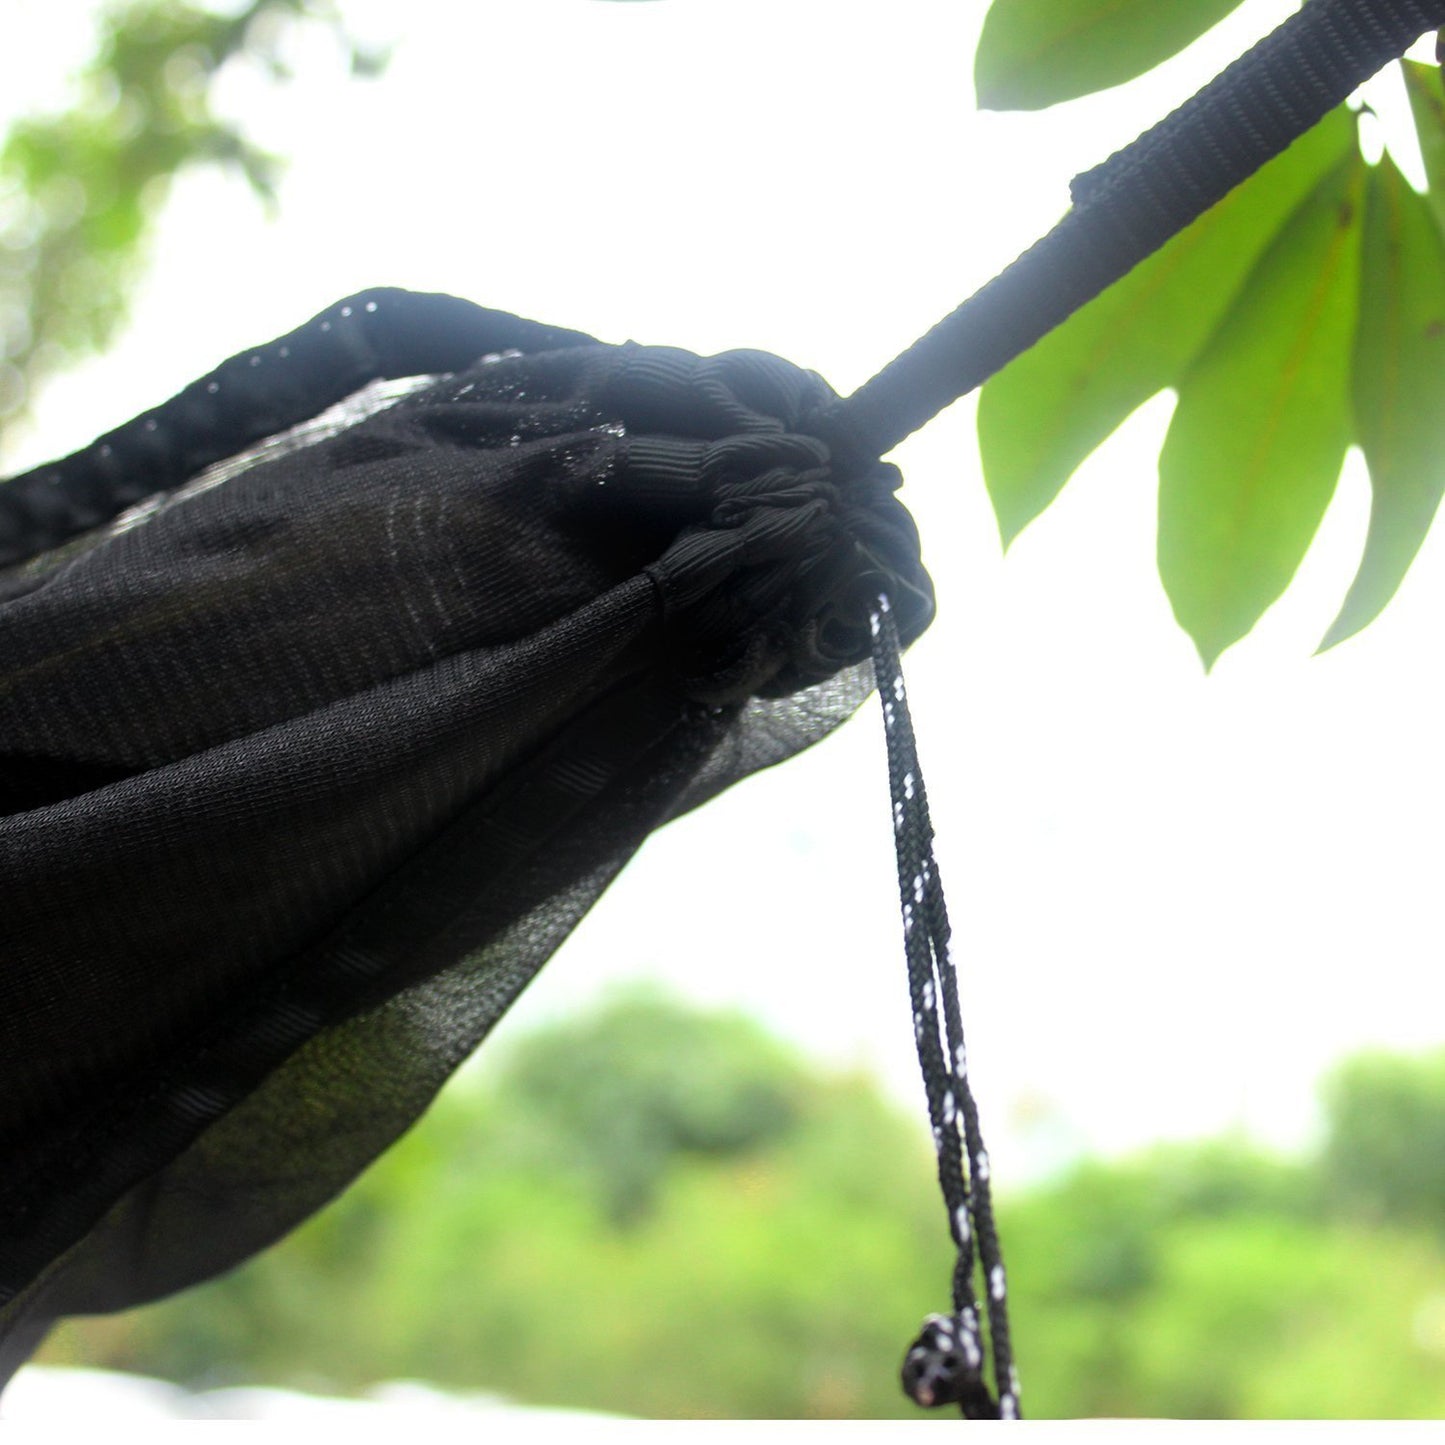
<point>1129,206</point>
<point>946,1365</point>
<point>382,333</point>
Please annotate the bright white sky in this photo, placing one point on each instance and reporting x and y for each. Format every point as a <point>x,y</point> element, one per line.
<point>1177,899</point>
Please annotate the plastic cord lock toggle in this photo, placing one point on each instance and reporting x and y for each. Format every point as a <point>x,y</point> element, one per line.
<point>940,1369</point>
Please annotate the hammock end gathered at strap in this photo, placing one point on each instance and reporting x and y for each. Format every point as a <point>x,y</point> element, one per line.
<point>1131,204</point>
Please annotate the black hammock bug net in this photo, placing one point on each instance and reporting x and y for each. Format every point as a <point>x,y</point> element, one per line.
<point>334,690</point>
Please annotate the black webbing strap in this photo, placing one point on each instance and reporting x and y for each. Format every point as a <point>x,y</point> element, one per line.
<point>946,1364</point>
<point>379,334</point>
<point>1127,208</point>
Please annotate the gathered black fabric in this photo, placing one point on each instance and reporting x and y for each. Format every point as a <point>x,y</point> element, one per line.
<point>305,771</point>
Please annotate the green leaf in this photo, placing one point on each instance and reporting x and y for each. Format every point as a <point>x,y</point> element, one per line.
<point>1046,411</point>
<point>1399,388</point>
<point>1254,449</point>
<point>1427,104</point>
<point>1035,53</point>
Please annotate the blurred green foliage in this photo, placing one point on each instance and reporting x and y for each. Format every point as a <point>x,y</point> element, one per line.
<point>80,189</point>
<point>663,1212</point>
<point>1385,1160</point>
<point>617,1098</point>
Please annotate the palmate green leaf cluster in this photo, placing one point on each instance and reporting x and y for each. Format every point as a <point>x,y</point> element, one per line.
<point>663,1212</point>
<point>1302,315</point>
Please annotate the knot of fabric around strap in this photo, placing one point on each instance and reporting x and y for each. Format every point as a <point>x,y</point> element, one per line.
<point>766,548</point>
<point>781,546</point>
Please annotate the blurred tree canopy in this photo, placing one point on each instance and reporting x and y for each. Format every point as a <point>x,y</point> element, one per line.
<point>617,1098</point>
<point>1386,1155</point>
<point>81,189</point>
<point>721,1230</point>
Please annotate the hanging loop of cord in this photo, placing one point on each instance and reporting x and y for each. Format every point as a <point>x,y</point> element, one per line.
<point>946,1365</point>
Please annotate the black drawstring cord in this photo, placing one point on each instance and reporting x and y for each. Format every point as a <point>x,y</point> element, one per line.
<point>945,1365</point>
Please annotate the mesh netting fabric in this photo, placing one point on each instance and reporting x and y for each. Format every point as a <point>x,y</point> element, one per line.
<point>306,769</point>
